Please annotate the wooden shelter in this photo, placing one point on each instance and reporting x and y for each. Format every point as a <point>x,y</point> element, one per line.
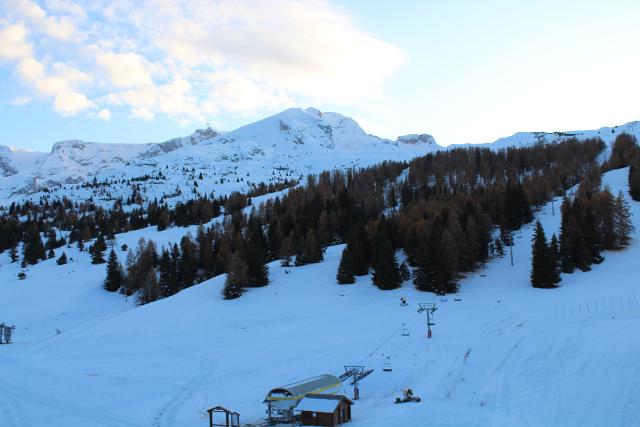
<point>281,401</point>
<point>227,418</point>
<point>324,410</point>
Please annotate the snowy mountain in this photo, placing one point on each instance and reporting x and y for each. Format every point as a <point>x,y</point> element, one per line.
<point>607,134</point>
<point>288,145</point>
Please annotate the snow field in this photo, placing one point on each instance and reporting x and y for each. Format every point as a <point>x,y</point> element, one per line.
<point>504,354</point>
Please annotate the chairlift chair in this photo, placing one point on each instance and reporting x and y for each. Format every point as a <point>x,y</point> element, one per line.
<point>405,332</point>
<point>387,366</point>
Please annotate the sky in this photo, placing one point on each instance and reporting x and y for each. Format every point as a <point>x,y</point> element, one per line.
<point>462,71</point>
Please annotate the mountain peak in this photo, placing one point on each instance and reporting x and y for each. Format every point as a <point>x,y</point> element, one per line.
<point>415,139</point>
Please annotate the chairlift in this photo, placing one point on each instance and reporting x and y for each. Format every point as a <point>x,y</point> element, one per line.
<point>405,332</point>
<point>387,366</point>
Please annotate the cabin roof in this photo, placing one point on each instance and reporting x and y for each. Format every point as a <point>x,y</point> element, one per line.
<point>326,403</point>
<point>319,383</point>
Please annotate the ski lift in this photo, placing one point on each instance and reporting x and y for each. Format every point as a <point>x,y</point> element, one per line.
<point>405,332</point>
<point>387,365</point>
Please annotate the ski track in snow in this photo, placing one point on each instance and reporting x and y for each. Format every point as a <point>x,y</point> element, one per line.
<point>166,417</point>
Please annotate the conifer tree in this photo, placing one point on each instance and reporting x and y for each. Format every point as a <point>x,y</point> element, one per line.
<point>62,260</point>
<point>622,224</point>
<point>568,229</point>
<point>345,274</point>
<point>436,269</point>
<point>591,236</point>
<point>97,250</point>
<point>499,247</point>
<point>115,275</point>
<point>447,264</point>
<point>357,245</point>
<point>188,261</point>
<point>634,178</point>
<point>205,251</point>
<point>554,260</point>
<point>167,272</point>
<point>255,258</point>
<point>13,252</point>
<point>540,265</point>
<point>236,278</point>
<point>386,273</point>
<point>33,249</point>
<point>312,252</point>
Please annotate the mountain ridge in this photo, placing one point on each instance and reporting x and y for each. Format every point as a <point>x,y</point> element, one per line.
<point>285,146</point>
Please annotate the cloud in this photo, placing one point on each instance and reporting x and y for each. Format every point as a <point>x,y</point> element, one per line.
<point>13,43</point>
<point>104,114</point>
<point>58,84</point>
<point>19,101</point>
<point>124,70</point>
<point>190,60</point>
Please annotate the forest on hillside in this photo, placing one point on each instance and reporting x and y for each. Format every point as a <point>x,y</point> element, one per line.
<point>449,212</point>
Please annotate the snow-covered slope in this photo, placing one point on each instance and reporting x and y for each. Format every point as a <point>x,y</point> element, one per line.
<point>502,354</point>
<point>288,145</point>
<point>607,134</point>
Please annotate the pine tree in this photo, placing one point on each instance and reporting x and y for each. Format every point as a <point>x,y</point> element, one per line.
<point>13,253</point>
<point>33,249</point>
<point>257,270</point>
<point>188,261</point>
<point>97,250</point>
<point>345,274</point>
<point>357,245</point>
<point>591,236</point>
<point>634,178</point>
<point>386,273</point>
<point>540,265</point>
<point>499,247</point>
<point>62,260</point>
<point>554,254</point>
<point>447,264</point>
<point>236,278</point>
<point>312,251</point>
<point>205,251</point>
<point>568,228</point>
<point>115,275</point>
<point>622,224</point>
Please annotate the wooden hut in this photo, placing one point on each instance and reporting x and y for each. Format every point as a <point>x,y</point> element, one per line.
<point>324,410</point>
<point>281,401</point>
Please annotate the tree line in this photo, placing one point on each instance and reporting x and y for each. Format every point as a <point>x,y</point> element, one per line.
<point>441,210</point>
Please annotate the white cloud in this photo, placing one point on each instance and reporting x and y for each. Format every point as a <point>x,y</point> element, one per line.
<point>19,101</point>
<point>124,70</point>
<point>104,114</point>
<point>58,85</point>
<point>13,43</point>
<point>141,113</point>
<point>189,60</point>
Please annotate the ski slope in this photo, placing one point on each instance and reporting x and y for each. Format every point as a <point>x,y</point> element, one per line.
<point>505,354</point>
